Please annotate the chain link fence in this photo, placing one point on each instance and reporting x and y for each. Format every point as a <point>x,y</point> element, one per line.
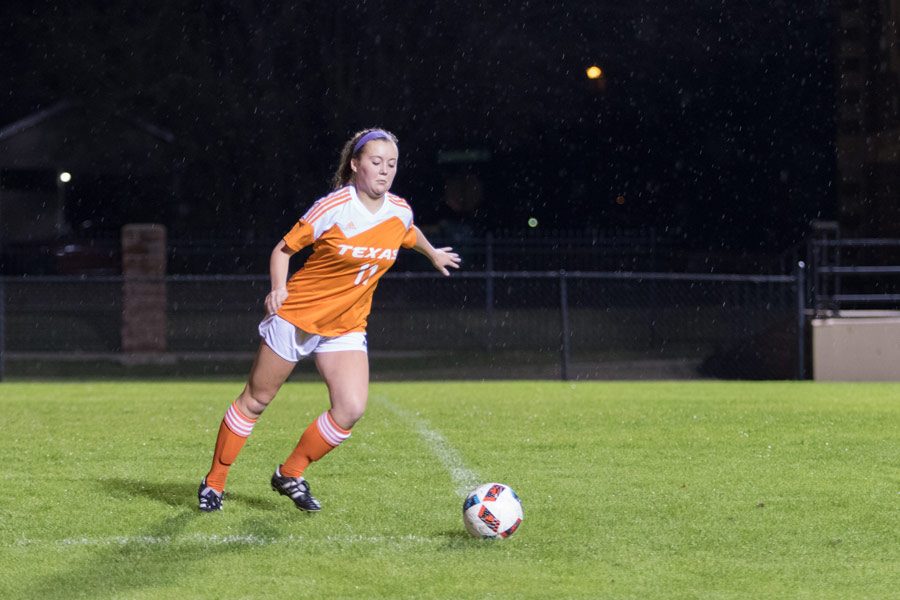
<point>472,325</point>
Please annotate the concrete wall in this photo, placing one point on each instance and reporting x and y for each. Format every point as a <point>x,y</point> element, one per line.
<point>856,349</point>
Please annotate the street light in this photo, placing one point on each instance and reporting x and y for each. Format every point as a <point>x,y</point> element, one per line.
<point>63,180</point>
<point>593,72</point>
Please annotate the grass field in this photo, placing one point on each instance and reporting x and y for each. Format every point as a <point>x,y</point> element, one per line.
<point>631,490</point>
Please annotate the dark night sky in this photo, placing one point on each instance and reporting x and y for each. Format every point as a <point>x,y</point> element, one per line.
<point>715,123</point>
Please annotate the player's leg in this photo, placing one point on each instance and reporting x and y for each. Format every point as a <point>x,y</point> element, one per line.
<point>268,373</point>
<point>346,373</point>
<point>347,376</point>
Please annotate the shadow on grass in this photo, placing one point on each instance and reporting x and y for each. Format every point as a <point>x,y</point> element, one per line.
<point>176,494</point>
<point>145,560</point>
<point>151,559</point>
<point>459,539</point>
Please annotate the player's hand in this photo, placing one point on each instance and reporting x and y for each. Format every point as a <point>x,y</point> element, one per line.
<point>275,299</point>
<point>443,258</point>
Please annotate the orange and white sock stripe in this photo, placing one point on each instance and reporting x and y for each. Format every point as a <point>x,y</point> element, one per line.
<point>330,431</point>
<point>238,423</point>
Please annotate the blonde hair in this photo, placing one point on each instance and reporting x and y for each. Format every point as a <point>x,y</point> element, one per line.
<point>344,173</point>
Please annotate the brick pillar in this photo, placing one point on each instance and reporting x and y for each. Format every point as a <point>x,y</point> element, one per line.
<point>144,288</point>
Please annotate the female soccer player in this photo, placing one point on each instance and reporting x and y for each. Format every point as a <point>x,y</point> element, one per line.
<point>356,232</point>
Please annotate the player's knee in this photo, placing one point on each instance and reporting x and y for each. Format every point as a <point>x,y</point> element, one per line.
<point>254,401</point>
<point>348,410</point>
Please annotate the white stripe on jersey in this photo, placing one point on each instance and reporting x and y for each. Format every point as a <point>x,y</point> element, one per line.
<point>344,209</point>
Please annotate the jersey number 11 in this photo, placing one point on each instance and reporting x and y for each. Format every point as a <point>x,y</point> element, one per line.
<point>365,273</point>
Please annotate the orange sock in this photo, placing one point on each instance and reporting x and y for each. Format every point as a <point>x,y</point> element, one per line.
<point>321,437</point>
<point>233,432</point>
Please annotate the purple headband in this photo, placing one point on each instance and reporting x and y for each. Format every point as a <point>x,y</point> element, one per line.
<point>378,134</point>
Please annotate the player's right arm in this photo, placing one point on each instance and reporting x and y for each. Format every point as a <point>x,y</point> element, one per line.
<point>279,262</point>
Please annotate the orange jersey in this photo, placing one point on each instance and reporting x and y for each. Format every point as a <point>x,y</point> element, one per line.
<point>352,248</point>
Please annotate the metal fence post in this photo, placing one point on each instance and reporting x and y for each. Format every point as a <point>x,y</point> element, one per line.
<point>800,274</point>
<point>2,328</point>
<point>489,288</point>
<point>564,326</point>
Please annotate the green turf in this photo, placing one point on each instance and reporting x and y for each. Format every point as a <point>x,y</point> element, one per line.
<point>631,490</point>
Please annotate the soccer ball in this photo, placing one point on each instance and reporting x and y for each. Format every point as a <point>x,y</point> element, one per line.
<point>492,510</point>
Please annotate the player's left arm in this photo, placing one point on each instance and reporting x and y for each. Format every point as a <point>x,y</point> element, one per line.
<point>441,258</point>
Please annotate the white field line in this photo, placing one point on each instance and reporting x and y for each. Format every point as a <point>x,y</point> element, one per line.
<point>204,539</point>
<point>464,478</point>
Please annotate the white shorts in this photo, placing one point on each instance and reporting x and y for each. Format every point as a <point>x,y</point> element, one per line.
<point>292,343</point>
